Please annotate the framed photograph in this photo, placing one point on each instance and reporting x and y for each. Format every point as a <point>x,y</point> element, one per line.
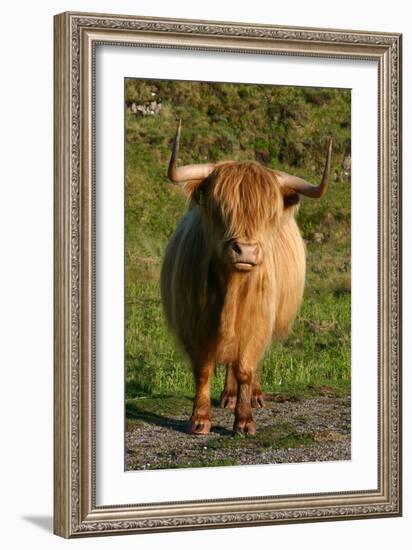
<point>227,274</point>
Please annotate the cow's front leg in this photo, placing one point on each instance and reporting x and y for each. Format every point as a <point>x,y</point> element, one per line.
<point>200,421</point>
<point>229,393</point>
<point>244,422</point>
<point>257,400</point>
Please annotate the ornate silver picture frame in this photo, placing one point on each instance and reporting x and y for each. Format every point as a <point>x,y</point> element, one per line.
<point>77,511</point>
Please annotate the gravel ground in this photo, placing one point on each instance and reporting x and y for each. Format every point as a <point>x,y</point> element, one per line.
<point>288,430</point>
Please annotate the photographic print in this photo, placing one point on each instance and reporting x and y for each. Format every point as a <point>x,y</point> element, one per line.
<point>237,274</point>
<point>227,274</point>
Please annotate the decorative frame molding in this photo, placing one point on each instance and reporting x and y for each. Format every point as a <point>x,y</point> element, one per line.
<point>76,36</point>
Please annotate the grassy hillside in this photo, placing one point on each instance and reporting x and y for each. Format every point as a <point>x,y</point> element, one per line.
<point>281,127</point>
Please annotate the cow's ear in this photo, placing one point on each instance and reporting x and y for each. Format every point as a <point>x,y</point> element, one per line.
<point>290,197</point>
<point>199,195</point>
<point>196,190</point>
<point>189,187</point>
<point>192,189</point>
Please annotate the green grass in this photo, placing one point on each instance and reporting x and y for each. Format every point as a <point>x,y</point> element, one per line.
<point>281,127</point>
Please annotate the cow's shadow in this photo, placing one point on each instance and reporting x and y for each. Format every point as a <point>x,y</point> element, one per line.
<point>168,422</point>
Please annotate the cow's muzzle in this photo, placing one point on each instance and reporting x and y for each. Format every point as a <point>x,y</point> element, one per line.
<point>244,255</point>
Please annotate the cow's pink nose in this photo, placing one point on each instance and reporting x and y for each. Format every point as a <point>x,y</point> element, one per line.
<point>245,252</point>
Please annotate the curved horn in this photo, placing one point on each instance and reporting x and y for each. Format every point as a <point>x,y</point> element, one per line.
<point>305,188</point>
<point>188,172</point>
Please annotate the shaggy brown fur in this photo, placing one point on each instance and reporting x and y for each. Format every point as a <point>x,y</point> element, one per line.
<point>223,311</point>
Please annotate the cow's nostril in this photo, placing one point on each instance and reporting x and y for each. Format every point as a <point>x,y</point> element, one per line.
<point>236,248</point>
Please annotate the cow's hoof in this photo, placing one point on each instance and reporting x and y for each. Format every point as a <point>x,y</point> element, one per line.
<point>227,401</point>
<point>257,401</point>
<point>199,425</point>
<point>244,427</point>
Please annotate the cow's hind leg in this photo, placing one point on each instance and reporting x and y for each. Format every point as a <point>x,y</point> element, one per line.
<point>200,421</point>
<point>244,423</point>
<point>228,396</point>
<point>229,393</point>
<point>257,400</point>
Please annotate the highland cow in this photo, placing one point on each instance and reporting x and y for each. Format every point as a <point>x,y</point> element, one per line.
<point>233,275</point>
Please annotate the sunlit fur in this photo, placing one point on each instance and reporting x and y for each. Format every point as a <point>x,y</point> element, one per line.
<point>218,313</point>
